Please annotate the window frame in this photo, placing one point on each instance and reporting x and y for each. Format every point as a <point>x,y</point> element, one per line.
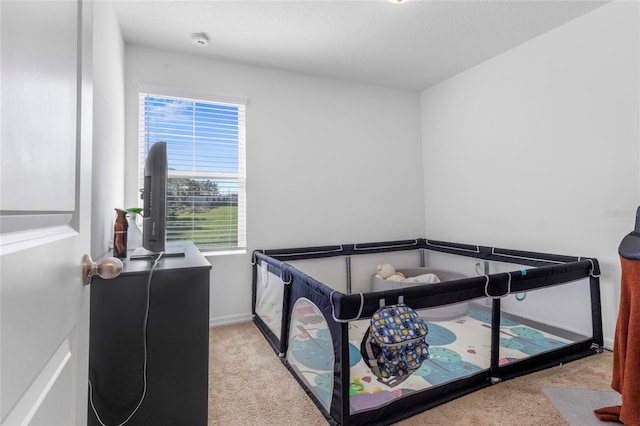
<point>240,175</point>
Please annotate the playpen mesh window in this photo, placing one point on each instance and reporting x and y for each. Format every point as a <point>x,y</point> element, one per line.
<point>269,298</point>
<point>535,322</point>
<point>310,351</point>
<point>459,346</point>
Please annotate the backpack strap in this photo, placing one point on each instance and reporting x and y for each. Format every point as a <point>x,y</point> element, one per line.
<point>383,303</point>
<point>373,361</point>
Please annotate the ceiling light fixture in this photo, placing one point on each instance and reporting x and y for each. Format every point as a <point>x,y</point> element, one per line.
<point>200,39</point>
<point>397,1</point>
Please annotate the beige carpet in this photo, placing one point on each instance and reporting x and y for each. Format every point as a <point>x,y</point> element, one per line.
<point>248,385</point>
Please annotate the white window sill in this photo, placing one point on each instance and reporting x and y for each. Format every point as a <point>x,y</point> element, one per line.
<point>224,252</point>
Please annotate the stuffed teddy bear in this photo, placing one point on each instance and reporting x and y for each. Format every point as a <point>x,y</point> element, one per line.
<point>386,271</point>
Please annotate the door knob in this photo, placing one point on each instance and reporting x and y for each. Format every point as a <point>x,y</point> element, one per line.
<point>109,268</point>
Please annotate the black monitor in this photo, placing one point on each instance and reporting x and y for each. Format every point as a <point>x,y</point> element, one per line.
<point>154,207</point>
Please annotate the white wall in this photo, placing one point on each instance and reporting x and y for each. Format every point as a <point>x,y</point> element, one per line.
<point>538,148</point>
<point>108,126</point>
<point>328,161</point>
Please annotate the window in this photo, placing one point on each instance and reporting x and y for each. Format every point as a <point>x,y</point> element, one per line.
<point>206,160</point>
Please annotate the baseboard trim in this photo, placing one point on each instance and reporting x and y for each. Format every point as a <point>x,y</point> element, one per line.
<point>608,344</point>
<point>230,319</point>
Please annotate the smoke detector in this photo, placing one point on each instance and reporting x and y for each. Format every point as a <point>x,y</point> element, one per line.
<point>200,39</point>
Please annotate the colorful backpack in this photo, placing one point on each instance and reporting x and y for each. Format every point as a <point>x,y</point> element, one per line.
<point>394,345</point>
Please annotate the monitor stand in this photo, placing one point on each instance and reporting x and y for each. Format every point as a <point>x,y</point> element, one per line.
<point>171,250</point>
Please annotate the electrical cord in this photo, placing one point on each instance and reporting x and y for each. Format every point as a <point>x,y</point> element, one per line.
<point>144,341</point>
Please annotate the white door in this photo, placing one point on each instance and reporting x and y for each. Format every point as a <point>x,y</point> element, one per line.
<point>45,195</point>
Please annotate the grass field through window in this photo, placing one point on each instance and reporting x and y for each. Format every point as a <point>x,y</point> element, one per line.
<point>208,227</point>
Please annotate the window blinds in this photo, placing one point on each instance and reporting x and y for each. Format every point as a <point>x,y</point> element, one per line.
<point>206,159</point>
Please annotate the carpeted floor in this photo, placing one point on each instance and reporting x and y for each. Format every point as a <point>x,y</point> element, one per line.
<point>248,385</point>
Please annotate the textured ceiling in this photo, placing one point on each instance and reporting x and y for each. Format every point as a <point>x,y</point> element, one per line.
<point>411,46</point>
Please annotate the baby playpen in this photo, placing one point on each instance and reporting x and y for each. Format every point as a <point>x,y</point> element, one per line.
<point>494,315</point>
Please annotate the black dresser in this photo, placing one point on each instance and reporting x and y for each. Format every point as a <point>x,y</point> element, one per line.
<point>177,349</point>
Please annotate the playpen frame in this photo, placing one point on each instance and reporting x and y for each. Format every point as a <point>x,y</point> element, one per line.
<point>338,309</point>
